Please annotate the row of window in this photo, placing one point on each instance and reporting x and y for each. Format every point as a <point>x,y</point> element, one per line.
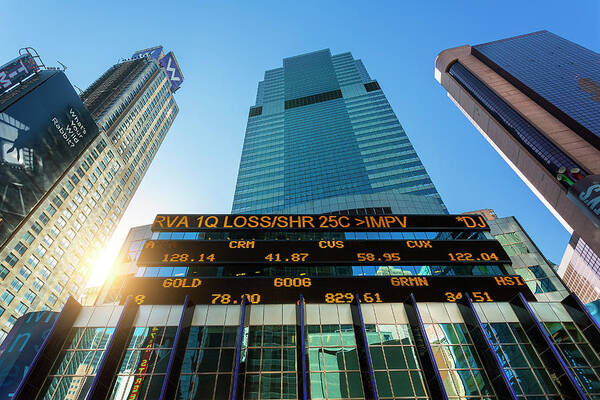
<point>141,82</point>
<point>41,250</point>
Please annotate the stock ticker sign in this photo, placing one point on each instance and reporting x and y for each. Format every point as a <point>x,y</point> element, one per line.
<point>169,63</point>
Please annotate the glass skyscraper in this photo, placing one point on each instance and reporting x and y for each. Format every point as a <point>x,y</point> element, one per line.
<point>536,98</point>
<point>322,137</point>
<point>560,75</point>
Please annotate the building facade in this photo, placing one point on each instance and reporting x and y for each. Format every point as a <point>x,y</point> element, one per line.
<point>527,260</point>
<point>50,255</point>
<point>534,98</point>
<point>580,269</point>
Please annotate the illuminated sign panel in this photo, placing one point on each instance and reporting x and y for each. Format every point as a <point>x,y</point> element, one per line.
<point>323,252</point>
<point>370,289</point>
<point>15,71</point>
<point>295,222</point>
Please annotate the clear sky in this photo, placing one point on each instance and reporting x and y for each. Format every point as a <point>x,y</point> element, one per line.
<point>224,47</point>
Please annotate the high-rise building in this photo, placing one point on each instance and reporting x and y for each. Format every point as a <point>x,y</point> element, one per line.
<point>535,99</point>
<point>322,137</point>
<point>72,199</point>
<point>580,269</point>
<point>345,286</point>
<point>526,259</point>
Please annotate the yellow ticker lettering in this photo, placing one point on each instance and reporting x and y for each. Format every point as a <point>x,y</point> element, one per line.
<point>159,220</point>
<point>509,281</point>
<point>182,282</point>
<point>420,244</point>
<point>409,281</point>
<point>307,221</point>
<point>242,244</point>
<point>211,221</point>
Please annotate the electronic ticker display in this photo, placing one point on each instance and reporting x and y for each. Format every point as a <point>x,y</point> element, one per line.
<point>322,252</point>
<point>322,222</point>
<point>339,290</point>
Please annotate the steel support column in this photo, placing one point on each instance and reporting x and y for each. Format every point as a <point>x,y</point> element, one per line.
<point>237,388</point>
<point>44,359</point>
<point>433,380</point>
<point>171,380</point>
<point>487,355</point>
<point>301,372</point>
<point>584,321</point>
<point>567,385</point>
<point>114,352</point>
<point>362,349</point>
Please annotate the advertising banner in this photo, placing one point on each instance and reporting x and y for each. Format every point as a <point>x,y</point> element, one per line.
<point>20,347</point>
<point>15,71</point>
<point>169,63</point>
<point>41,134</point>
<point>585,193</point>
<point>152,52</point>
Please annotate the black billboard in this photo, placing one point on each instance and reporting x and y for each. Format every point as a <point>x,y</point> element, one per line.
<point>41,134</point>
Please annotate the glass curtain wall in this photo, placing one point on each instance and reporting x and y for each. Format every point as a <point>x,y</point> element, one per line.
<point>77,364</point>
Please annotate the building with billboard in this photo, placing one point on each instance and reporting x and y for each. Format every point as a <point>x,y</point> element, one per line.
<point>70,166</point>
<point>535,99</point>
<point>349,287</point>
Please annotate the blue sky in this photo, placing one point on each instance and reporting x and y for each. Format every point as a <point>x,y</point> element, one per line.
<point>224,47</point>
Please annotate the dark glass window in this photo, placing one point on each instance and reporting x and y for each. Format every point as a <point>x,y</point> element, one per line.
<point>28,237</point>
<point>11,259</point>
<point>254,111</point>
<point>316,98</point>
<point>44,218</point>
<point>36,227</point>
<point>372,86</point>
<point>57,201</point>
<point>20,248</point>
<point>51,210</point>
<point>3,272</point>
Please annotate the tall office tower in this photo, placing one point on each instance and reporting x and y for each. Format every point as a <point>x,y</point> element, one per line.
<point>322,137</point>
<point>67,184</point>
<point>535,98</point>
